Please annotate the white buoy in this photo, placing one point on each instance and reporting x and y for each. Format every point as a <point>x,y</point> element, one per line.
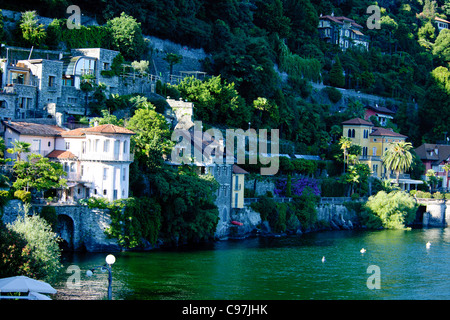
<point>323,259</point>
<point>362,250</point>
<point>428,245</point>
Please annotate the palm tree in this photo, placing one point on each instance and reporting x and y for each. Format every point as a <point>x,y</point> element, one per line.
<point>19,148</point>
<point>345,143</point>
<point>398,157</point>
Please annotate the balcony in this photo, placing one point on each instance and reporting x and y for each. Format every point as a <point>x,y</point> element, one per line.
<point>105,157</point>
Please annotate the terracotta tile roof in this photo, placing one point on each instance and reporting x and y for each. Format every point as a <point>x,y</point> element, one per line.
<point>341,19</point>
<point>34,129</point>
<point>358,121</point>
<point>61,154</point>
<point>386,132</point>
<point>238,170</point>
<point>104,128</point>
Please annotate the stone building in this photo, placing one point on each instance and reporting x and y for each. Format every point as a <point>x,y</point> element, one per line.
<point>342,31</point>
<point>40,88</point>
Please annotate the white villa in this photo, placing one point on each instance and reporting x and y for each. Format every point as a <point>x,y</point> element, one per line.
<point>96,159</point>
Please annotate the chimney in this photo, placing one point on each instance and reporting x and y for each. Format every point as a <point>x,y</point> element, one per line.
<point>95,123</point>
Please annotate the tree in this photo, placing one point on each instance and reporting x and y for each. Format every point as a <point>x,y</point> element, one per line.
<point>337,78</point>
<point>152,137</point>
<point>127,36</point>
<point>32,32</point>
<point>398,157</point>
<point>345,144</point>
<point>19,148</point>
<point>189,213</point>
<point>39,173</point>
<point>140,66</point>
<point>441,47</point>
<point>87,85</point>
<point>392,210</point>
<point>172,59</point>
<point>41,252</point>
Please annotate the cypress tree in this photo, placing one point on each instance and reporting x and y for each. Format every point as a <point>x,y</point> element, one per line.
<point>337,78</point>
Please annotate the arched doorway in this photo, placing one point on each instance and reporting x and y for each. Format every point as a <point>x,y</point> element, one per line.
<point>64,228</point>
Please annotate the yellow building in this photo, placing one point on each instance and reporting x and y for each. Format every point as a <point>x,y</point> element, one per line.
<point>374,141</point>
<point>237,194</point>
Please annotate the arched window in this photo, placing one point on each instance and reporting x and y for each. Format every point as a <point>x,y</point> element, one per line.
<point>353,133</point>
<point>349,133</point>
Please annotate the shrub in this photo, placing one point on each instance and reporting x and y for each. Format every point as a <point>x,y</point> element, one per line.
<point>395,209</point>
<point>333,94</point>
<point>4,198</point>
<point>438,195</point>
<point>23,195</point>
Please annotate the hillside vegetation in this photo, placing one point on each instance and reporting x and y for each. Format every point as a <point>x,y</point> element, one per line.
<point>251,41</point>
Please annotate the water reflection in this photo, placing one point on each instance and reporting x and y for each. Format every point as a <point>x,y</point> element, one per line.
<point>282,268</point>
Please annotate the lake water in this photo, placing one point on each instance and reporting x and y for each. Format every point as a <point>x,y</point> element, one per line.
<point>288,268</point>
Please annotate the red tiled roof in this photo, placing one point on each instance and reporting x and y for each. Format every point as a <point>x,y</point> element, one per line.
<point>340,20</point>
<point>386,132</point>
<point>34,129</point>
<point>238,170</point>
<point>104,128</point>
<point>358,121</point>
<point>61,154</point>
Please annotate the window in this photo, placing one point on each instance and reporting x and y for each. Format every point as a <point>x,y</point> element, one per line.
<point>366,134</point>
<point>124,174</point>
<point>95,191</point>
<point>374,151</point>
<point>106,146</point>
<point>72,100</point>
<point>68,82</point>
<point>82,170</point>
<point>67,145</point>
<point>83,147</point>
<point>105,66</point>
<point>105,192</point>
<point>105,173</point>
<point>96,144</point>
<point>49,144</point>
<point>115,194</point>
<point>236,185</point>
<point>125,147</point>
<point>51,81</point>
<point>236,199</point>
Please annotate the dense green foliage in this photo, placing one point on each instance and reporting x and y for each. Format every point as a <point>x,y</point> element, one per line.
<point>29,247</point>
<point>246,40</point>
<point>289,216</point>
<point>393,210</point>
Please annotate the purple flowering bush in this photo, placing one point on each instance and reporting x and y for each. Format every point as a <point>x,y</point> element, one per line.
<point>297,186</point>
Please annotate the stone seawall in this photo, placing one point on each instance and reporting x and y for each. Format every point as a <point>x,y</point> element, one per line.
<point>333,216</point>
<point>80,227</point>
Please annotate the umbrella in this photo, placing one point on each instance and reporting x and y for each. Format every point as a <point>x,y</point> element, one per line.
<point>24,284</point>
<point>37,296</point>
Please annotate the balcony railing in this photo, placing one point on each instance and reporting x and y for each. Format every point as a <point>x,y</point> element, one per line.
<point>98,156</point>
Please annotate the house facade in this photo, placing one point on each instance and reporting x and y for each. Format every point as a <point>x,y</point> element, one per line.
<point>441,24</point>
<point>96,159</point>
<point>374,142</point>
<point>382,114</point>
<point>435,157</point>
<point>342,31</point>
